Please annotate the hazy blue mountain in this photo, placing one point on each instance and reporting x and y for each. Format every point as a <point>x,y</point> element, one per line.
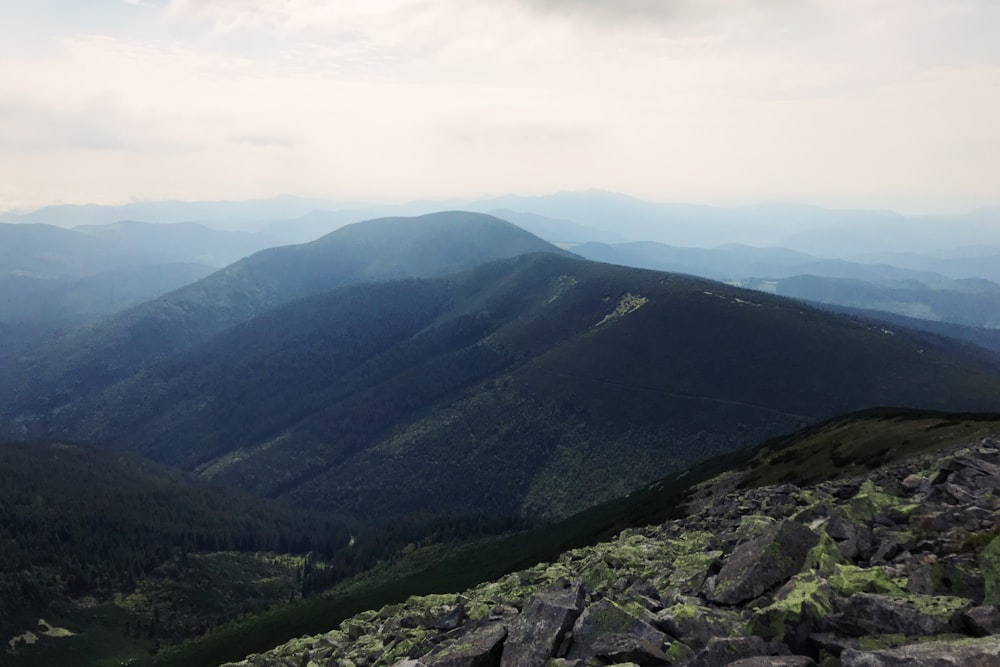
<point>555,230</point>
<point>115,348</point>
<point>154,243</point>
<point>978,305</point>
<point>738,263</point>
<point>244,212</point>
<point>44,251</point>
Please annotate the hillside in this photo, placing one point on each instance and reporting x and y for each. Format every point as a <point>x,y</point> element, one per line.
<point>92,358</point>
<point>897,566</point>
<point>876,444</point>
<point>498,389</point>
<point>92,538</point>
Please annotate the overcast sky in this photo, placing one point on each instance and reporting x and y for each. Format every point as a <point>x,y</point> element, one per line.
<point>884,103</point>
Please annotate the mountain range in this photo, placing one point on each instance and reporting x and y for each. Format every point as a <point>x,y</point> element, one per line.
<point>401,389</point>
<point>493,388</point>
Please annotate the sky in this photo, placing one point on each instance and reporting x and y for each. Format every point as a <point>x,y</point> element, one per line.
<point>849,103</point>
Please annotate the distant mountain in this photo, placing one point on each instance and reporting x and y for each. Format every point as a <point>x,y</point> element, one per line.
<point>539,384</point>
<point>151,243</point>
<point>555,230</point>
<point>977,306</point>
<point>34,309</point>
<point>94,357</point>
<point>217,212</point>
<point>52,279</point>
<point>44,251</point>
<point>811,229</point>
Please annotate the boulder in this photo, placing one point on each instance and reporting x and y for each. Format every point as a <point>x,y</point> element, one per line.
<point>607,618</point>
<point>723,651</point>
<point>962,653</point>
<point>981,621</point>
<point>695,624</point>
<point>775,661</point>
<point>628,648</point>
<point>912,615</point>
<point>480,647</point>
<point>764,562</point>
<point>537,633</point>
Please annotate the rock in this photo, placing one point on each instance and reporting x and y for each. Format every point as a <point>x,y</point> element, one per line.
<point>723,651</point>
<point>952,575</point>
<point>481,647</point>
<point>537,633</point>
<point>981,621</point>
<point>799,609</point>
<point>762,563</point>
<point>775,661</point>
<point>607,618</point>
<point>452,619</point>
<point>990,561</point>
<point>913,615</point>
<point>695,624</point>
<point>628,648</point>
<point>962,653</point>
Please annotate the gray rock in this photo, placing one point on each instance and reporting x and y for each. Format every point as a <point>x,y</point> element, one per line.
<point>452,619</point>
<point>756,566</point>
<point>870,614</point>
<point>962,653</point>
<point>607,618</point>
<point>981,621</point>
<point>481,647</point>
<point>628,648</point>
<point>775,661</point>
<point>695,624</point>
<point>536,634</point>
<point>723,651</point>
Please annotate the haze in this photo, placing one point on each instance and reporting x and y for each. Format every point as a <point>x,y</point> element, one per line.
<point>885,103</point>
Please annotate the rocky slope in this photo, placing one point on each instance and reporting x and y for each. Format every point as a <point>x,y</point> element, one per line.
<point>899,566</point>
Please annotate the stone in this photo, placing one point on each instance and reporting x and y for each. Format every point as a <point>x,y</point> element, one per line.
<point>607,618</point>
<point>537,633</point>
<point>981,621</point>
<point>696,624</point>
<point>628,648</point>
<point>913,615</point>
<point>962,653</point>
<point>799,609</point>
<point>764,562</point>
<point>452,619</point>
<point>480,647</point>
<point>775,661</point>
<point>723,651</point>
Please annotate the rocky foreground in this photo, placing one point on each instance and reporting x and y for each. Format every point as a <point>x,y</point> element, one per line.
<point>898,567</point>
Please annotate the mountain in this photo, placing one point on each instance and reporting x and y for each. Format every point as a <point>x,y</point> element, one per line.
<point>52,279</point>
<point>94,357</point>
<point>972,302</point>
<point>499,389</point>
<point>216,212</point>
<point>44,251</point>
<point>977,305</point>
<point>153,243</point>
<point>565,232</point>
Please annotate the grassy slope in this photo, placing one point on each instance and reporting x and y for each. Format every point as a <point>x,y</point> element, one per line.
<point>838,447</point>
